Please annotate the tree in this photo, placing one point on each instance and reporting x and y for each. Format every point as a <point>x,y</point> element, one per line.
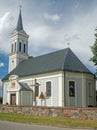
<point>30,57</point>
<point>94,50</point>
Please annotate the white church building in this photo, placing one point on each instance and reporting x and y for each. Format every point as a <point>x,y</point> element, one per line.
<point>55,79</point>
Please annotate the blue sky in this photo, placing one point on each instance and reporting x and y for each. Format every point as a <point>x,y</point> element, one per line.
<point>51,25</point>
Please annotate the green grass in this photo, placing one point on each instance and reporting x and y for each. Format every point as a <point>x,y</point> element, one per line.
<point>55,121</point>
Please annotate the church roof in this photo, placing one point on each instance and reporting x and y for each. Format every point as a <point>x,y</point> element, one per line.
<point>64,60</point>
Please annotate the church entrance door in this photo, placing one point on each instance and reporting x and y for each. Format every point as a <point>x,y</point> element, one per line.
<point>13,99</point>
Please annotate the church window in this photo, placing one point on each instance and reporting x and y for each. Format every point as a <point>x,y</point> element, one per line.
<point>15,46</point>
<point>37,91</point>
<point>24,48</point>
<point>48,89</point>
<point>71,88</point>
<point>20,46</point>
<point>12,48</point>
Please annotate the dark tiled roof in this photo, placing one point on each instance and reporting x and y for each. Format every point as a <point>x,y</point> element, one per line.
<point>60,60</point>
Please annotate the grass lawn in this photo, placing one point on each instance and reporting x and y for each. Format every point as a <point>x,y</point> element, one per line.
<point>55,121</point>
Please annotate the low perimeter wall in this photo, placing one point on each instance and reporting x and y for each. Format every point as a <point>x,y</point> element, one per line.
<point>80,113</point>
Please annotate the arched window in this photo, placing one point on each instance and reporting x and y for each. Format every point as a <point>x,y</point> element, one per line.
<point>12,48</point>
<point>20,46</point>
<point>24,48</point>
<point>15,47</point>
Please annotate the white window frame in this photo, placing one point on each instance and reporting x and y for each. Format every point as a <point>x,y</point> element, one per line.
<point>74,88</point>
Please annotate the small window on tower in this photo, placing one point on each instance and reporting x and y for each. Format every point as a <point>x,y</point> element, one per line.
<point>20,46</point>
<point>15,46</point>
<point>12,48</point>
<point>24,48</point>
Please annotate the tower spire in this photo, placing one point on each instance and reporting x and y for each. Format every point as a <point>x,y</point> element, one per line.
<point>19,44</point>
<point>19,23</point>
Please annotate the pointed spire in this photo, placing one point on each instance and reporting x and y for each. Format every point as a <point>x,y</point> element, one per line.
<point>19,23</point>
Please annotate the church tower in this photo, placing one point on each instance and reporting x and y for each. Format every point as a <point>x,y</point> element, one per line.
<point>19,45</point>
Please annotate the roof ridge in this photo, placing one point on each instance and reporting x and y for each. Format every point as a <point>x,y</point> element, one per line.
<point>67,50</point>
<point>50,53</point>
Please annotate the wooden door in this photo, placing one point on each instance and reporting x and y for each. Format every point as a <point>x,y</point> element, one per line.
<point>13,99</point>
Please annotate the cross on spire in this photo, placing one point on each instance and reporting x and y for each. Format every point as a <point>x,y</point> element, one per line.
<point>68,44</point>
<point>20,7</point>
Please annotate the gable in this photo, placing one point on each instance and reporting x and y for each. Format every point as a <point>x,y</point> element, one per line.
<point>13,77</point>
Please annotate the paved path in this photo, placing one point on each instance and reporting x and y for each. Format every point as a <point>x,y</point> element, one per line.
<point>4,125</point>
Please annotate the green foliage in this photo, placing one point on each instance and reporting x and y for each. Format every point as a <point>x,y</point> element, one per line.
<point>30,57</point>
<point>48,120</point>
<point>94,50</point>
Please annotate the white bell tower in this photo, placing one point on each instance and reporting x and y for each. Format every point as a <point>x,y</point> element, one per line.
<point>19,44</point>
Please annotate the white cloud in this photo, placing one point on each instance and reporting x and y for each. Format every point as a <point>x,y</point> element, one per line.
<point>79,33</point>
<point>6,24</point>
<point>40,33</point>
<point>1,64</point>
<point>39,37</point>
<point>3,21</point>
<point>54,18</point>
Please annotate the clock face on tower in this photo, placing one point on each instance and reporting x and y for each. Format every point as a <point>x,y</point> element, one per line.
<point>12,64</point>
<point>12,61</point>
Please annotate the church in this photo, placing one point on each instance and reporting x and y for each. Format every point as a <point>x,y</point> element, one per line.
<point>54,79</point>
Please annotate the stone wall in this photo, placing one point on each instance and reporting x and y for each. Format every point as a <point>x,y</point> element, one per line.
<point>78,113</point>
